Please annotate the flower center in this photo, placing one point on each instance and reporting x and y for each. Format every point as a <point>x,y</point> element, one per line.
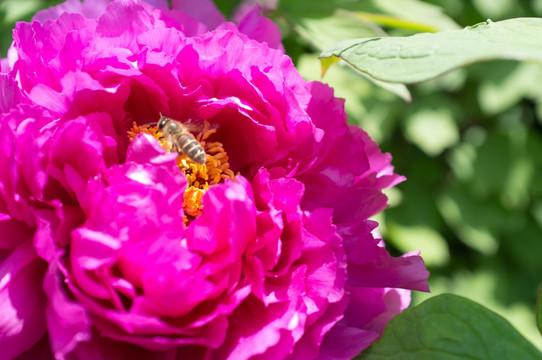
<point>199,176</point>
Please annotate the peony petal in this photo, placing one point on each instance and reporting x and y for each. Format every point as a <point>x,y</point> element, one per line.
<point>120,24</point>
<point>326,297</point>
<point>375,267</point>
<point>4,65</point>
<point>344,342</point>
<point>219,227</point>
<point>43,95</point>
<point>381,304</point>
<point>10,94</point>
<point>102,348</point>
<point>282,261</point>
<point>161,4</point>
<point>281,198</point>
<point>258,27</point>
<point>22,176</point>
<point>91,9</point>
<point>22,302</point>
<point>204,11</point>
<point>145,149</point>
<point>40,351</point>
<point>14,232</point>
<point>259,329</point>
<point>67,321</point>
<point>74,141</point>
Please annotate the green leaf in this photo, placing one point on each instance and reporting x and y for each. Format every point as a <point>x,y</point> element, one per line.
<point>322,32</point>
<point>506,83</point>
<point>432,130</point>
<point>413,15</point>
<point>402,14</point>
<point>327,62</point>
<point>227,6</point>
<point>539,310</point>
<point>495,8</point>
<point>398,89</point>
<point>395,22</point>
<point>324,23</point>
<point>422,57</point>
<point>435,251</point>
<point>449,327</point>
<point>367,104</point>
<point>471,220</point>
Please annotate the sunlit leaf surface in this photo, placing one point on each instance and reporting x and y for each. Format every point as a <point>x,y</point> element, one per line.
<point>449,327</point>
<point>539,310</point>
<point>422,57</point>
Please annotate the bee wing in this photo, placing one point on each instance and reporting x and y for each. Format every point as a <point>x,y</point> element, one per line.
<point>193,128</point>
<point>197,125</point>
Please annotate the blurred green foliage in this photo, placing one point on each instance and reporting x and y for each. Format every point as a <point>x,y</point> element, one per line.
<point>18,10</point>
<point>470,143</point>
<point>450,327</point>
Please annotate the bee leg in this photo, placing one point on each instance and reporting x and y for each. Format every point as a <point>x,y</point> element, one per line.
<point>175,147</point>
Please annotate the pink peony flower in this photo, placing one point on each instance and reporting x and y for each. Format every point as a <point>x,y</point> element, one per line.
<point>114,246</point>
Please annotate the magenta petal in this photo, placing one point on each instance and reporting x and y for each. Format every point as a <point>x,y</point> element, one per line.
<point>161,4</point>
<point>44,239</point>
<point>407,272</point>
<point>22,301</point>
<point>44,95</point>
<point>4,65</point>
<point>103,348</point>
<point>22,175</point>
<point>204,11</point>
<point>40,351</point>
<point>258,330</point>
<point>146,149</point>
<point>10,94</point>
<point>326,296</point>
<point>67,321</point>
<point>122,22</point>
<point>373,266</point>
<point>91,9</point>
<point>13,232</point>
<point>367,314</point>
<point>281,262</point>
<point>220,226</point>
<point>74,141</point>
<point>344,342</point>
<point>379,306</point>
<point>258,27</point>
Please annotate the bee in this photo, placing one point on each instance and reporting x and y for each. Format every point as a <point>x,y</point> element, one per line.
<point>180,139</point>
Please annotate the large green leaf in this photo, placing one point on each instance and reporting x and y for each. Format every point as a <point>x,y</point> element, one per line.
<point>322,32</point>
<point>412,14</point>
<point>437,122</point>
<point>449,327</point>
<point>366,105</point>
<point>425,56</point>
<point>503,84</point>
<point>539,310</point>
<point>435,250</point>
<point>402,14</point>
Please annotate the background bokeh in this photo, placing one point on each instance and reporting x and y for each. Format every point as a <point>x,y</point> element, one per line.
<point>470,143</point>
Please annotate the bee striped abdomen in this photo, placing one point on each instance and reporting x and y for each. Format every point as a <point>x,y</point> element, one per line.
<point>181,140</point>
<point>192,148</point>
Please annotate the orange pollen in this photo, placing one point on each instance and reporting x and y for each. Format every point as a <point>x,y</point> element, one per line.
<point>200,176</point>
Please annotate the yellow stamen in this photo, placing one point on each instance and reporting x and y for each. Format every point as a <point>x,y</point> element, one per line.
<point>200,176</point>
